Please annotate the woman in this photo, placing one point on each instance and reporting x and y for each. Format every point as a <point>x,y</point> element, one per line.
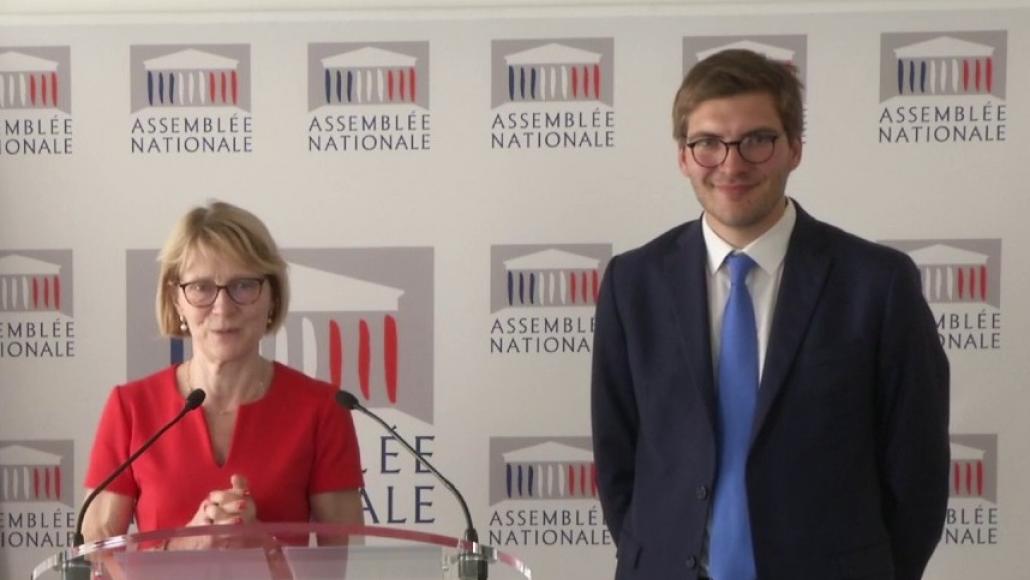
<point>268,444</point>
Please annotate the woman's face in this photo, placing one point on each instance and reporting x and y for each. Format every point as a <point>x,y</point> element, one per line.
<point>225,330</point>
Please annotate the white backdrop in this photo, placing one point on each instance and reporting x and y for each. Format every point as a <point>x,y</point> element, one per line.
<point>469,194</point>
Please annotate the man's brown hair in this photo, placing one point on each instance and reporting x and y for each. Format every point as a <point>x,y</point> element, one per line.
<point>736,72</point>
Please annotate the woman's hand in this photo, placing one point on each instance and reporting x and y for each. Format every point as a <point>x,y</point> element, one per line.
<point>227,506</point>
<point>224,506</point>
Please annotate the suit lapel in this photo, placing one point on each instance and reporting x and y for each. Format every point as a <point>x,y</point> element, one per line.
<point>685,272</point>
<point>805,268</point>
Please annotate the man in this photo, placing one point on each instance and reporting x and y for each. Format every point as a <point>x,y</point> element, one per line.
<point>769,395</point>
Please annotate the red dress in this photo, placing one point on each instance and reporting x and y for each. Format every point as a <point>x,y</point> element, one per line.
<point>294,442</point>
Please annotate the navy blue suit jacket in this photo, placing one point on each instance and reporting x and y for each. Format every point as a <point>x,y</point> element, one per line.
<point>847,473</point>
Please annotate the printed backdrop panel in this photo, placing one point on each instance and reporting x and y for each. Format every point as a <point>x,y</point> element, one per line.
<point>448,190</point>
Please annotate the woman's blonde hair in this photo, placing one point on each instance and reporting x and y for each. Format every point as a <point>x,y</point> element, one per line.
<point>224,230</point>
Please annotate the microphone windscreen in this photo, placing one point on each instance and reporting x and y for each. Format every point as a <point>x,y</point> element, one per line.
<point>347,400</point>
<point>195,399</point>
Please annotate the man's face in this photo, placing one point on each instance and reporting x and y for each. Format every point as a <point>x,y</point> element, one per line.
<point>741,199</point>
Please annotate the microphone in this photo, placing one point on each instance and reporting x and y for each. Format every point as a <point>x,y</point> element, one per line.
<point>471,565</point>
<point>193,400</point>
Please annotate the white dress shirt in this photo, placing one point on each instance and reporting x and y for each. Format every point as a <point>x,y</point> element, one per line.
<point>763,282</point>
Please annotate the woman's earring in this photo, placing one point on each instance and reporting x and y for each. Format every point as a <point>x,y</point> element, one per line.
<point>182,323</point>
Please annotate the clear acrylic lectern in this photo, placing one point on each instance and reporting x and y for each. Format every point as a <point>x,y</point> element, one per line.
<point>294,551</point>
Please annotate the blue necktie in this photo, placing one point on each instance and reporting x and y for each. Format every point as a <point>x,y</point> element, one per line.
<point>731,556</point>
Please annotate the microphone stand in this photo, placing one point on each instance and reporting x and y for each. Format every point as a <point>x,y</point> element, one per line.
<point>472,565</point>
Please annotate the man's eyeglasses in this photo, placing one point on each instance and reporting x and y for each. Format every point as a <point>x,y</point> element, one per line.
<point>711,152</point>
<point>203,293</point>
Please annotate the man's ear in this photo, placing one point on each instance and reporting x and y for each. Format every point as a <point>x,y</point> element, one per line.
<point>682,155</point>
<point>795,153</point>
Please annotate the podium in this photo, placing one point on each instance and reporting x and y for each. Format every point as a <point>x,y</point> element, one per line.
<point>280,551</point>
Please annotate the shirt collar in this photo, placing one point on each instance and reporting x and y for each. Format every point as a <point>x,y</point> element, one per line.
<point>768,250</point>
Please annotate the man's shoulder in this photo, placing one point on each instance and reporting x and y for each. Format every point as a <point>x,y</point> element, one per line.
<point>850,248</point>
<point>864,266</point>
<point>663,244</point>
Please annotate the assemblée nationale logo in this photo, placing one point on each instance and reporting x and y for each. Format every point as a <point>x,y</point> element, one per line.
<point>542,296</point>
<point>543,492</point>
<point>961,281</point>
<point>369,96</point>
<point>943,87</point>
<point>972,517</point>
<point>37,493</point>
<point>35,101</point>
<point>360,319</point>
<point>552,94</point>
<point>36,314</point>
<point>190,99</point>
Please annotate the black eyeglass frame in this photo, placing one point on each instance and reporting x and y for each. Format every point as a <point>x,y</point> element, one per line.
<point>219,287</point>
<point>726,145</point>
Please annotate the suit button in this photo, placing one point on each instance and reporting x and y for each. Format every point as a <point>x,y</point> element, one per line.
<point>691,562</point>
<point>702,492</point>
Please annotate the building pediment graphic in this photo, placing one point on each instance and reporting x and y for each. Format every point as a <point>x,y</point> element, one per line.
<point>944,47</point>
<point>941,254</point>
<point>190,59</point>
<point>552,259</point>
<point>15,62</point>
<point>553,53</point>
<point>369,57</point>
<point>961,452</point>
<point>21,455</point>
<point>316,290</point>
<point>18,265</point>
<point>549,452</point>
<point>772,52</point>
